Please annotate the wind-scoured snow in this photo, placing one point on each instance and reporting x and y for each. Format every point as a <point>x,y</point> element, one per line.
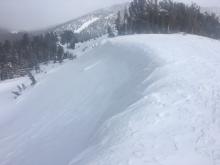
<point>134,100</point>
<point>86,24</point>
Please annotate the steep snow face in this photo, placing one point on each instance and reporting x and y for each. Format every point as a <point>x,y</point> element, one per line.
<point>142,99</point>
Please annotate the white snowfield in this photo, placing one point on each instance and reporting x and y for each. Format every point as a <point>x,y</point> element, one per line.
<point>134,100</point>
<point>86,24</point>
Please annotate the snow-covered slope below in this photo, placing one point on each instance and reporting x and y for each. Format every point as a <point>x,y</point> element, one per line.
<point>134,100</point>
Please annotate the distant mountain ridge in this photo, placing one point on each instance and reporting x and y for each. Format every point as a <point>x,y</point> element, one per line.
<point>93,24</point>
<point>3,30</point>
<point>3,33</point>
<point>7,35</point>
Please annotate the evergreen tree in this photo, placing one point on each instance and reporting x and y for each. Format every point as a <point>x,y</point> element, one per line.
<point>27,54</point>
<point>110,32</point>
<point>166,17</point>
<point>118,23</point>
<point>60,54</point>
<point>69,38</point>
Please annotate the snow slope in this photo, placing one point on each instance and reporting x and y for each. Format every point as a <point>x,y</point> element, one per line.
<point>86,24</point>
<point>134,100</point>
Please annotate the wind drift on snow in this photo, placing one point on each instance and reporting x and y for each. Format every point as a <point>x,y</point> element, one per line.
<point>134,100</point>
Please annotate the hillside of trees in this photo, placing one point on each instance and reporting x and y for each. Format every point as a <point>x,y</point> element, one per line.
<point>69,38</point>
<point>151,16</point>
<point>20,56</point>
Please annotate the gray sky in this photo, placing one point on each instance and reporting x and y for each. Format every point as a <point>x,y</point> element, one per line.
<point>36,14</point>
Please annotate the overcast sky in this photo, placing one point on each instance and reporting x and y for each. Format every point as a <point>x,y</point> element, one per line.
<point>36,14</point>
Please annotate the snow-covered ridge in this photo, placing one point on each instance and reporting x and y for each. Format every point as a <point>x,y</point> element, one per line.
<point>93,24</point>
<point>103,18</point>
<point>142,100</point>
<point>175,119</point>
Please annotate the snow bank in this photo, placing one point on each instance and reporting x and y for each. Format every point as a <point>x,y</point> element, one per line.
<point>177,119</point>
<point>142,100</point>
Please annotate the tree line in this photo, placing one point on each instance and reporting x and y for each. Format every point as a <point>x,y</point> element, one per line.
<point>166,16</point>
<point>20,56</point>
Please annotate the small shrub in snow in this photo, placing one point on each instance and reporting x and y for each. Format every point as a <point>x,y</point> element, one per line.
<point>20,89</point>
<point>33,80</point>
<point>16,93</point>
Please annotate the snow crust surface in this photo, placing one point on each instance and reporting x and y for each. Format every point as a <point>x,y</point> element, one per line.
<point>134,100</point>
